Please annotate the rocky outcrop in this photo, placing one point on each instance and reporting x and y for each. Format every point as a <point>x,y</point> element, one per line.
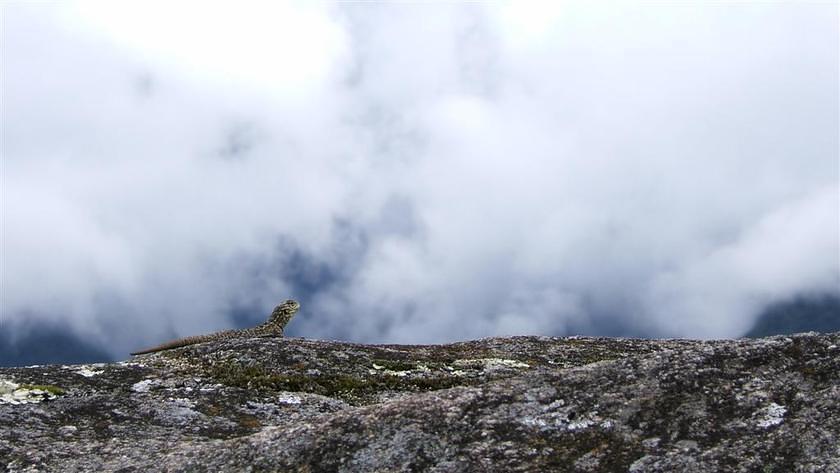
<point>499,404</point>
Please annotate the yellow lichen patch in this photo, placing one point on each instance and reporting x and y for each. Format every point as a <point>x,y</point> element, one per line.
<point>14,393</point>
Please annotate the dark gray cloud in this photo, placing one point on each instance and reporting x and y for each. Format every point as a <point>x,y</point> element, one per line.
<point>417,172</point>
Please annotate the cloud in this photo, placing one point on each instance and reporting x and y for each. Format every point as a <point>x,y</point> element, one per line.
<point>792,249</point>
<point>417,172</point>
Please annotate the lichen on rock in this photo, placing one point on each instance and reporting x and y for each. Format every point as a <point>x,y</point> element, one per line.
<point>496,404</point>
<point>14,393</point>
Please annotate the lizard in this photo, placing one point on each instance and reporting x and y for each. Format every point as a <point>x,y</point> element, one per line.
<point>275,324</point>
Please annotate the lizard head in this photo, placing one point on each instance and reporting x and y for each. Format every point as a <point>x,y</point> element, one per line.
<point>283,313</point>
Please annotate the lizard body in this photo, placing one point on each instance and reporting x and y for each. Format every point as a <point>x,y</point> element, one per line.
<point>274,326</point>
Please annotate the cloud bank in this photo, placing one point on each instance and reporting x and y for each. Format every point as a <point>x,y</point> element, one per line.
<point>417,172</point>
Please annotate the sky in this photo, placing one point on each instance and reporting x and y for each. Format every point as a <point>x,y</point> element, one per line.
<point>416,172</point>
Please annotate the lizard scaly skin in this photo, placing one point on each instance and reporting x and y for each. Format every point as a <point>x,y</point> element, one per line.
<point>274,326</point>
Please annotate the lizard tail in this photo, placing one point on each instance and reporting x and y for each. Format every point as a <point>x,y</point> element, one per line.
<point>182,342</point>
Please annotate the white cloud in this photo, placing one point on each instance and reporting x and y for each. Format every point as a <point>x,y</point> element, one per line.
<point>285,49</point>
<point>459,170</point>
<point>792,249</point>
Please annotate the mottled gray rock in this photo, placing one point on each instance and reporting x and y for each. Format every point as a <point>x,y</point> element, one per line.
<point>499,404</point>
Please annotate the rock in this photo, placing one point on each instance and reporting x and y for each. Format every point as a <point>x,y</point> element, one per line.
<point>497,404</point>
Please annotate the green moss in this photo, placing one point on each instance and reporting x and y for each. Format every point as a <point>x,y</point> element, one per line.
<point>353,389</point>
<point>395,365</point>
<point>54,390</point>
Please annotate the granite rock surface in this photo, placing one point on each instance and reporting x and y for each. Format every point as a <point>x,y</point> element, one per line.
<point>497,404</point>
